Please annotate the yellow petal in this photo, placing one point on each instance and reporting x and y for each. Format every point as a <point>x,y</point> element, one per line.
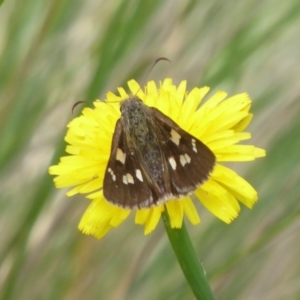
<point>201,119</point>
<point>190,105</point>
<point>153,218</point>
<point>95,195</point>
<point>91,186</point>
<point>175,211</point>
<point>218,201</point>
<point>243,124</point>
<point>190,210</point>
<point>111,97</point>
<point>235,184</point>
<point>141,216</point>
<point>136,89</point>
<point>239,153</point>
<point>96,219</point>
<point>123,94</point>
<point>223,139</point>
<point>119,216</point>
<point>152,94</point>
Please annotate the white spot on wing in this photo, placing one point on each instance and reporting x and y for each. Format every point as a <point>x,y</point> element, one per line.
<point>172,162</point>
<point>194,145</point>
<point>113,176</point>
<point>125,179</point>
<point>182,160</point>
<point>138,174</point>
<point>121,156</point>
<point>129,178</point>
<point>175,137</point>
<point>188,159</point>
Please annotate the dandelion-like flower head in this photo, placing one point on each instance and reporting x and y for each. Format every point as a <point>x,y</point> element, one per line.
<point>219,123</point>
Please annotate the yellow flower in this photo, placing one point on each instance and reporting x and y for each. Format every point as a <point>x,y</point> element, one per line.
<point>218,123</point>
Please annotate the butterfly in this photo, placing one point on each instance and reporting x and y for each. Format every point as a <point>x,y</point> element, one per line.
<point>152,159</point>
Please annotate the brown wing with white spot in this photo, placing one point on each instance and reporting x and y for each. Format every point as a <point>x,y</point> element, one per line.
<point>188,160</point>
<point>125,182</point>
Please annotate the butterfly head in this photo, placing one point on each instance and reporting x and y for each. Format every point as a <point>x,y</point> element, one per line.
<point>130,103</point>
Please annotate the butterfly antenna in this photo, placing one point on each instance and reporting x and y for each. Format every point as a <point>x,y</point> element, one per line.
<point>154,64</point>
<point>76,104</point>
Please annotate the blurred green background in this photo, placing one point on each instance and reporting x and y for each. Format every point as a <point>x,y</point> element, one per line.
<point>54,53</point>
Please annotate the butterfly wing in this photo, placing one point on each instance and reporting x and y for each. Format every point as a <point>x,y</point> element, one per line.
<point>125,181</point>
<point>188,160</point>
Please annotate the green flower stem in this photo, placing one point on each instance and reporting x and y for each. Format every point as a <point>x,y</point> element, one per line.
<point>188,260</point>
